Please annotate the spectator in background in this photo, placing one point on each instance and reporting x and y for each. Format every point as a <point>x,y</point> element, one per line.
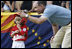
<point>49,2</point>
<point>57,16</point>
<point>68,5</point>
<point>63,4</point>
<point>60,3</point>
<point>7,6</point>
<point>57,3</point>
<point>11,5</point>
<point>18,5</point>
<point>22,5</point>
<point>26,5</point>
<point>4,6</point>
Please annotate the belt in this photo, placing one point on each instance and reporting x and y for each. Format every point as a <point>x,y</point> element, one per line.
<point>69,23</point>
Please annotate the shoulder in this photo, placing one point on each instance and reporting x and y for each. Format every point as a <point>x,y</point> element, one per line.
<point>51,7</point>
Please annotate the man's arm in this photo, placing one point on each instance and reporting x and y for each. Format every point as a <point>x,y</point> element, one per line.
<point>41,20</point>
<point>55,29</point>
<point>34,19</point>
<point>37,20</point>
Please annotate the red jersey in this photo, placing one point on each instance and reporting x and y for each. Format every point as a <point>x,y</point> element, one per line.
<point>20,36</point>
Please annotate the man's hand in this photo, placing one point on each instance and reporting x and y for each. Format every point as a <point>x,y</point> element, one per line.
<point>23,13</point>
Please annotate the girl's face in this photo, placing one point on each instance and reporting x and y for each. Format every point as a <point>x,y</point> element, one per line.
<point>17,20</point>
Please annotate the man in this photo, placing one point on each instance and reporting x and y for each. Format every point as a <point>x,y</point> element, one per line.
<point>56,15</point>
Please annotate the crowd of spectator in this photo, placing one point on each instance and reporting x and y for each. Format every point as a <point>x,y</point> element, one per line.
<point>14,6</point>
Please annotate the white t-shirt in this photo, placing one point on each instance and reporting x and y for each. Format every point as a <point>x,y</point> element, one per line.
<point>6,7</point>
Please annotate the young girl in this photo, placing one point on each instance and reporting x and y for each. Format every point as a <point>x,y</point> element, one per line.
<point>19,33</point>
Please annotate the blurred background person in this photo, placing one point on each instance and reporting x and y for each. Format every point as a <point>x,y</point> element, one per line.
<point>22,5</point>
<point>4,6</point>
<point>49,2</point>
<point>60,3</point>
<point>11,5</point>
<point>18,5</point>
<point>63,4</point>
<point>26,5</point>
<point>7,6</point>
<point>57,3</point>
<point>68,5</point>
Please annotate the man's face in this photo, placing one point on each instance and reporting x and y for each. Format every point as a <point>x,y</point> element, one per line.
<point>39,9</point>
<point>17,20</point>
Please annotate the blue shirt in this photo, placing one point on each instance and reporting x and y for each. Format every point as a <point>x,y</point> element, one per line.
<point>57,15</point>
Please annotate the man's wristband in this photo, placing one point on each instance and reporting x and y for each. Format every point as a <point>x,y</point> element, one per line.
<point>27,15</point>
